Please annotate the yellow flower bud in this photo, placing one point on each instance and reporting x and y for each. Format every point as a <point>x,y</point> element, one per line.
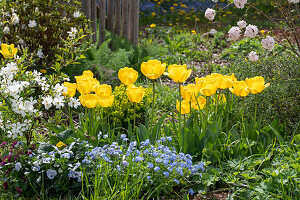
<point>135,94</point>
<point>179,73</point>
<point>71,89</point>
<point>8,51</point>
<point>60,144</point>
<point>153,69</point>
<point>89,100</point>
<point>127,75</point>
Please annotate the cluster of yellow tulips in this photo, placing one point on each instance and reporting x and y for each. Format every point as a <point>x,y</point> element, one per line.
<point>86,84</point>
<point>153,69</point>
<point>8,51</point>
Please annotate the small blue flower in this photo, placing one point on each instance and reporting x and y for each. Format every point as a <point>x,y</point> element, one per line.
<point>166,174</point>
<point>138,159</point>
<point>148,177</point>
<point>18,166</point>
<point>35,168</point>
<point>177,182</point>
<point>123,136</point>
<point>191,191</point>
<point>156,168</point>
<point>150,165</point>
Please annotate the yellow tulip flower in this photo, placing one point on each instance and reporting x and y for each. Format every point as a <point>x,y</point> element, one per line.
<point>216,78</point>
<point>179,73</point>
<point>227,81</point>
<point>189,92</point>
<point>185,107</point>
<point>240,88</point>
<point>256,84</point>
<point>103,90</point>
<point>127,75</point>
<point>209,86</point>
<point>135,94</point>
<point>152,25</point>
<point>71,89</point>
<point>200,101</point>
<point>88,73</point>
<point>84,84</point>
<point>89,100</point>
<point>200,83</point>
<point>8,51</point>
<point>106,101</point>
<point>95,83</point>
<point>153,69</point>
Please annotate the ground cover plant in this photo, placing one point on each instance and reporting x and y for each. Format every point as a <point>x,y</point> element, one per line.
<point>205,107</point>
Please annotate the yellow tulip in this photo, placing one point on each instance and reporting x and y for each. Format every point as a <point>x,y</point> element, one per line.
<point>95,83</point>
<point>135,94</point>
<point>209,86</point>
<point>89,100</point>
<point>128,75</point>
<point>200,101</point>
<point>103,90</point>
<point>152,25</point>
<point>189,92</point>
<point>84,84</point>
<point>106,101</point>
<point>179,73</point>
<point>200,83</point>
<point>88,73</point>
<point>240,88</point>
<point>185,107</point>
<point>8,51</point>
<point>153,69</point>
<point>71,89</point>
<point>256,84</point>
<point>216,78</point>
<point>227,81</point>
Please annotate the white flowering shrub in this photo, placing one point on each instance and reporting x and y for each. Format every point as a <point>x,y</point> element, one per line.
<point>290,31</point>
<point>41,26</point>
<point>27,94</point>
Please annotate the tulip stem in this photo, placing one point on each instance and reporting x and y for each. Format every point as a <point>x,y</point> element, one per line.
<point>217,96</point>
<point>153,102</point>
<point>71,118</point>
<point>179,113</point>
<point>243,124</point>
<point>255,109</point>
<point>134,118</point>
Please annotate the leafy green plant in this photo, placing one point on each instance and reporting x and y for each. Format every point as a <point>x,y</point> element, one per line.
<point>42,27</point>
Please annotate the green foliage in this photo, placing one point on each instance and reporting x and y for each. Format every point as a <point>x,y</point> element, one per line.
<point>121,112</point>
<point>281,99</point>
<point>54,19</point>
<point>274,174</point>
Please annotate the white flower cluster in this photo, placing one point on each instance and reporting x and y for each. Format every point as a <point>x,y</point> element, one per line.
<point>251,31</point>
<point>253,56</point>
<point>293,1</point>
<point>16,87</point>
<point>240,3</point>
<point>242,24</point>
<point>73,32</point>
<point>210,14</point>
<point>268,43</point>
<point>234,33</point>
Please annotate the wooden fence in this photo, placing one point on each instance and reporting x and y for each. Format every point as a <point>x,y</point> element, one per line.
<point>117,16</point>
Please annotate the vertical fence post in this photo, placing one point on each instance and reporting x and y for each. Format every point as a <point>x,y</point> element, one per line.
<point>118,17</point>
<point>134,21</point>
<point>125,19</point>
<point>94,20</point>
<point>110,15</point>
<point>102,15</point>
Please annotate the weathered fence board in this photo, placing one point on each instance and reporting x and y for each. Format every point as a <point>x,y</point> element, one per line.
<point>120,17</point>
